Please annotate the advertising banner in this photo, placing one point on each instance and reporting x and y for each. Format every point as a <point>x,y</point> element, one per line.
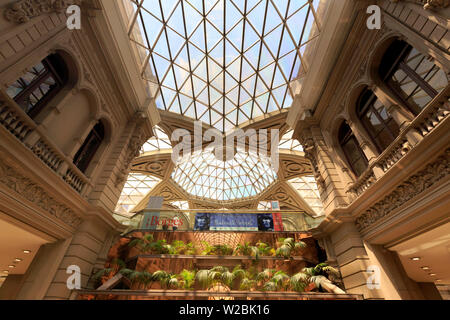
<point>233,222</point>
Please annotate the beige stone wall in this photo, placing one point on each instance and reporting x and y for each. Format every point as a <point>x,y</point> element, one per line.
<point>354,248</point>
<point>71,207</point>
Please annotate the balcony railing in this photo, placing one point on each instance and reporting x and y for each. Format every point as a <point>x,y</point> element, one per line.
<point>19,124</point>
<point>434,114</point>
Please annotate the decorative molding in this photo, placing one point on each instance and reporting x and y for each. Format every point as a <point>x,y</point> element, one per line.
<point>409,189</point>
<point>24,10</point>
<point>137,140</point>
<point>37,195</point>
<point>294,167</point>
<point>428,4</point>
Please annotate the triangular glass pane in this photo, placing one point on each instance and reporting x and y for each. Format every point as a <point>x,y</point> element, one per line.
<point>176,20</point>
<point>218,83</point>
<point>175,107</point>
<point>203,96</point>
<point>235,35</point>
<point>176,42</point>
<point>215,16</point>
<point>257,17</point>
<point>279,93</point>
<point>212,36</point>
<point>279,79</point>
<point>282,6</point>
<point>273,20</point>
<point>192,18</point>
<point>217,53</point>
<point>167,7</point>
<point>198,38</point>
<point>181,75</point>
<point>162,65</point>
<point>297,21</point>
<point>149,20</point>
<point>215,95</point>
<point>267,73</point>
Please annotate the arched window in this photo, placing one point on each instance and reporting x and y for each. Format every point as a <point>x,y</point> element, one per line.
<point>89,148</point>
<point>378,122</point>
<point>39,85</point>
<point>411,75</point>
<point>355,156</point>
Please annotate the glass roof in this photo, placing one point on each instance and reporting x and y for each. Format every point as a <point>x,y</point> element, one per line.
<point>160,141</point>
<point>135,189</point>
<point>222,62</point>
<point>201,174</point>
<point>288,143</point>
<point>307,188</point>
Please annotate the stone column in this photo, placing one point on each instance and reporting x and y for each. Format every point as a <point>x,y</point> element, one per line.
<point>353,260</point>
<point>331,187</point>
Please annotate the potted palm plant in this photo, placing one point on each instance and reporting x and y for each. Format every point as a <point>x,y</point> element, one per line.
<point>288,247</point>
<point>321,276</point>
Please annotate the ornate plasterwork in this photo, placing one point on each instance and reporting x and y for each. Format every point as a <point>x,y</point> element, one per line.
<point>155,167</point>
<point>409,189</point>
<point>292,168</point>
<point>24,10</point>
<point>15,181</point>
<point>133,149</point>
<point>429,4</point>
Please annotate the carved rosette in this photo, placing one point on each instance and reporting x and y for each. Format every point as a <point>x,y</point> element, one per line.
<point>24,10</point>
<point>409,189</point>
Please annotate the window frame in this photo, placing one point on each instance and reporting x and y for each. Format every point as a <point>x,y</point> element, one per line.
<point>28,90</point>
<point>420,82</point>
<point>86,153</point>
<point>369,106</point>
<point>343,140</point>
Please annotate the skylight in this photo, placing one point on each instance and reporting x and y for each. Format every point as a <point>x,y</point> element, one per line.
<point>288,143</point>
<point>135,189</point>
<point>222,62</point>
<point>201,174</point>
<point>307,188</point>
<point>160,141</point>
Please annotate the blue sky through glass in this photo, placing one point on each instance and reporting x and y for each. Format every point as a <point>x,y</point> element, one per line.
<point>223,62</point>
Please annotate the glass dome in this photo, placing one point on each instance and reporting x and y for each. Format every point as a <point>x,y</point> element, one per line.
<point>201,174</point>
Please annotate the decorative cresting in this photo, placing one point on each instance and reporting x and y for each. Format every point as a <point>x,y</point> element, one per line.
<point>409,189</point>
<point>24,10</point>
<point>429,4</point>
<point>15,181</point>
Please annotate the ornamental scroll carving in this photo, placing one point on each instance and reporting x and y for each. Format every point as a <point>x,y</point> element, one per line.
<point>24,10</point>
<point>409,189</point>
<point>37,195</point>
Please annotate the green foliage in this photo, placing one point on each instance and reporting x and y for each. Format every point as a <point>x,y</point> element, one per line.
<point>188,278</point>
<point>216,250</point>
<point>288,246</point>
